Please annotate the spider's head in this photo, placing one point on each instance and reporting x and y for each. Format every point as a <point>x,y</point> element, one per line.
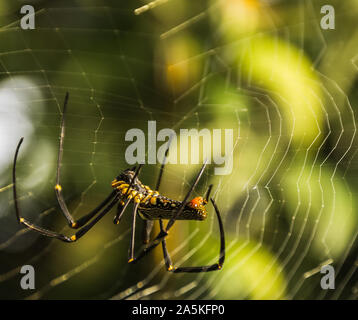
<point>125,178</point>
<point>196,208</point>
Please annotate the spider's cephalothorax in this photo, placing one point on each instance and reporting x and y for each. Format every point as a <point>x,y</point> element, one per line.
<point>154,206</point>
<point>149,204</point>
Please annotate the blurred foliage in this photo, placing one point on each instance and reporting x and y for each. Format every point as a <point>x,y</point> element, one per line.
<point>266,69</point>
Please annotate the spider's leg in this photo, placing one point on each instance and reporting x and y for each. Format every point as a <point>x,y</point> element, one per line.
<point>149,224</point>
<point>147,230</point>
<point>159,239</point>
<point>207,196</point>
<point>89,226</point>
<point>163,164</point>
<point>58,187</point>
<point>184,202</point>
<point>17,210</point>
<point>44,232</point>
<point>121,208</point>
<point>213,267</point>
<point>167,260</point>
<point>75,224</point>
<point>53,234</point>
<point>131,244</point>
<point>59,236</point>
<point>83,220</point>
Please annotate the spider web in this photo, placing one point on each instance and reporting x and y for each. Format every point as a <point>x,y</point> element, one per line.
<point>288,206</point>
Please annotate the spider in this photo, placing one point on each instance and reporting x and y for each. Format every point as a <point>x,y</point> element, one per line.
<point>149,204</point>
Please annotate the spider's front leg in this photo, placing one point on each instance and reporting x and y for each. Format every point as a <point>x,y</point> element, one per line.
<point>120,210</point>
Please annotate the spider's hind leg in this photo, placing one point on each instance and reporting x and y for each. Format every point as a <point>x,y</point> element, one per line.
<point>213,267</point>
<point>147,230</point>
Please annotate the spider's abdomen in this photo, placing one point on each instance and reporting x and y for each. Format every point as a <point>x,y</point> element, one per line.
<point>160,207</point>
<point>156,213</point>
<point>154,206</point>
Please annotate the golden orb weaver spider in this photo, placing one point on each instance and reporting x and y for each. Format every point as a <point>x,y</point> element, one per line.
<point>149,204</point>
